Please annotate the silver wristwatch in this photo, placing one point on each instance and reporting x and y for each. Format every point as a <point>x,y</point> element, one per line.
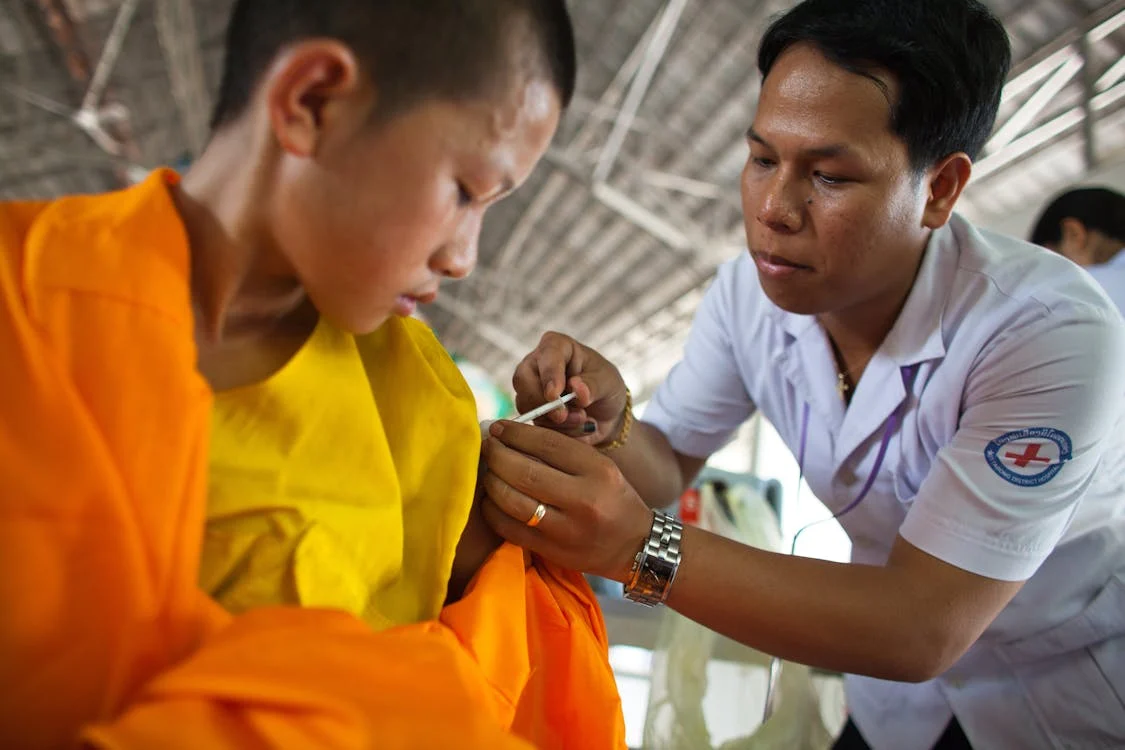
<point>655,566</point>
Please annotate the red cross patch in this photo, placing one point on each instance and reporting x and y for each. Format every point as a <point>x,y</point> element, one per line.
<point>1031,457</point>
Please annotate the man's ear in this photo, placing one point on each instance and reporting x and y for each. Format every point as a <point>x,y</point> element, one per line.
<point>303,91</point>
<point>1075,243</point>
<point>945,182</point>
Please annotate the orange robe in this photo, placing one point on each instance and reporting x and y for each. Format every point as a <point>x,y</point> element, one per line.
<point>105,637</point>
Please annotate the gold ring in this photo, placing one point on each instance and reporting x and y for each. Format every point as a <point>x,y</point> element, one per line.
<point>537,516</point>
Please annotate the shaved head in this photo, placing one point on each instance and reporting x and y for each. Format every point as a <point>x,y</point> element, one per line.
<point>412,50</point>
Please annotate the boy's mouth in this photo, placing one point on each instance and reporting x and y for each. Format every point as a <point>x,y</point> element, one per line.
<point>406,304</point>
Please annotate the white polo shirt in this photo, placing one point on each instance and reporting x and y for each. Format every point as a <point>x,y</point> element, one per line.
<point>1111,276</point>
<point>1009,462</point>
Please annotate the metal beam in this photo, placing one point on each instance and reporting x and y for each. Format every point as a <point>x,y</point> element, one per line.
<point>1089,116</point>
<point>492,333</point>
<point>571,297</point>
<point>1055,63</point>
<point>111,50</point>
<point>179,41</point>
<point>64,34</point>
<point>577,201</point>
<point>657,46</point>
<point>1072,63</point>
<point>686,185</point>
<point>699,252</point>
<point>1115,73</point>
<point>1044,134</point>
<point>1099,24</point>
<point>551,191</point>
<point>106,124</point>
<point>738,97</point>
<point>533,263</point>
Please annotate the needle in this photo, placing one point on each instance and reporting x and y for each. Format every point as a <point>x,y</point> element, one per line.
<point>546,408</point>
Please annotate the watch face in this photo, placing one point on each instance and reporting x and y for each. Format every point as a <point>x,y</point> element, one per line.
<point>661,568</point>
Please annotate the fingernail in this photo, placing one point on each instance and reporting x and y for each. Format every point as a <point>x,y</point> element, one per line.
<point>590,428</point>
<point>496,429</point>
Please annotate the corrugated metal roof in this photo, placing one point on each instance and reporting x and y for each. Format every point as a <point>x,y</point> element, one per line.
<point>622,262</point>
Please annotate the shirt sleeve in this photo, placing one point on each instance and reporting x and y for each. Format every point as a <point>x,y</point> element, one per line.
<point>704,399</point>
<point>1038,406</point>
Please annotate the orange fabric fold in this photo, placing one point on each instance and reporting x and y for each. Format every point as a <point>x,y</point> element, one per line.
<point>554,656</point>
<point>303,678</point>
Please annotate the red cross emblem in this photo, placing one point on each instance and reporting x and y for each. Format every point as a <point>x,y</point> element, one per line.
<point>1030,455</point>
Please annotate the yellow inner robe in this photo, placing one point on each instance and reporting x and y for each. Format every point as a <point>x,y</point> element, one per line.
<point>344,480</point>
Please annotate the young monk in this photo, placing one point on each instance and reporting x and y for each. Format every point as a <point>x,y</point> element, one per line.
<point>356,147</point>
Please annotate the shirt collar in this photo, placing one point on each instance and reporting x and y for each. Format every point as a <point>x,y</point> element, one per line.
<point>917,335</point>
<point>1117,261</point>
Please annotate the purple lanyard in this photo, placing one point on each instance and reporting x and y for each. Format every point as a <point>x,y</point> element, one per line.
<point>908,374</point>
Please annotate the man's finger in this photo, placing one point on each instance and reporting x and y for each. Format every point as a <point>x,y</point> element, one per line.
<point>554,358</point>
<point>598,384</point>
<point>518,448</point>
<point>512,530</point>
<point>572,423</point>
<point>531,477</point>
<point>516,504</point>
<point>526,382</point>
<point>530,393</point>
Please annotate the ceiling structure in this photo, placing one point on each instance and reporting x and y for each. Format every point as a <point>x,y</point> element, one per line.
<point>619,230</point>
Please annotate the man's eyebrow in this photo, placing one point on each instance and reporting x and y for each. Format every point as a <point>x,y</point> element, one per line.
<point>824,152</point>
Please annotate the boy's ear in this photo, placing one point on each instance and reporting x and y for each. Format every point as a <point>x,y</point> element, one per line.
<point>307,89</point>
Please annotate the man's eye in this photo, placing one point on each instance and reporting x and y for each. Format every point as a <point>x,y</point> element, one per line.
<point>828,179</point>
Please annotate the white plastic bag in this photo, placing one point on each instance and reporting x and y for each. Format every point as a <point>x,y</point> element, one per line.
<point>708,692</point>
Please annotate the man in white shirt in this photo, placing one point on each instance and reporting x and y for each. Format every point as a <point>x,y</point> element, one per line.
<point>954,395</point>
<point>1087,225</point>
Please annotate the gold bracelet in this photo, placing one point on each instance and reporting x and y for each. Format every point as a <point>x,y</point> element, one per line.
<point>626,426</point>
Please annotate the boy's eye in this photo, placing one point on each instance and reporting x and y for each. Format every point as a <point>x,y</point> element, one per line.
<point>464,197</point>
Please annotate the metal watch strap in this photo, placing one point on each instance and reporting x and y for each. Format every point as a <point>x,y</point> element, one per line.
<point>655,566</point>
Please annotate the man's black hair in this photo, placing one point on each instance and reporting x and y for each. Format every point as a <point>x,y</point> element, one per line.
<point>1098,208</point>
<point>412,49</point>
<point>949,60</point>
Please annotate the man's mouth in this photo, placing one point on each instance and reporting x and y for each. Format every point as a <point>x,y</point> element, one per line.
<point>775,265</point>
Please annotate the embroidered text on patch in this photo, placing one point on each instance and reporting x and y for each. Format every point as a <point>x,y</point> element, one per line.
<point>1029,457</point>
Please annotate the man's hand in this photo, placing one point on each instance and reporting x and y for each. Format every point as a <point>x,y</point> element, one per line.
<point>559,364</point>
<point>595,521</point>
